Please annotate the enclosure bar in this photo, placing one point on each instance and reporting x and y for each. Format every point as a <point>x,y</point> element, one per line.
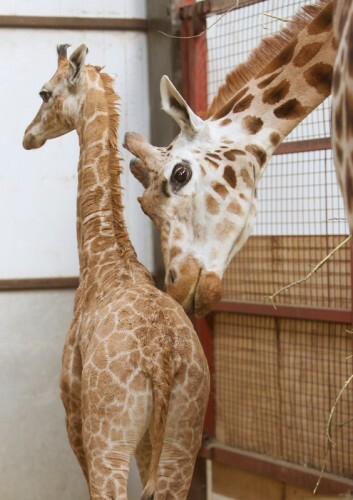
<point>194,56</point>
<point>291,312</point>
<point>304,146</point>
<point>204,329</point>
<point>38,283</point>
<point>217,6</point>
<point>278,469</point>
<point>73,23</point>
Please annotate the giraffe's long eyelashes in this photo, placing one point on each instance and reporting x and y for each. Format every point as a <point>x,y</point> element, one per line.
<point>181,175</point>
<point>45,95</point>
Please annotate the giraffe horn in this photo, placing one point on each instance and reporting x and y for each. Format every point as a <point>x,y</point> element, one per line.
<point>138,146</point>
<point>62,51</point>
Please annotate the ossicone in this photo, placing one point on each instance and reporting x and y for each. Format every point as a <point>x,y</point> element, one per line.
<point>62,50</point>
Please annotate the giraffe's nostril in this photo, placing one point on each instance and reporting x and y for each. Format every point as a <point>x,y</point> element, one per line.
<point>172,277</point>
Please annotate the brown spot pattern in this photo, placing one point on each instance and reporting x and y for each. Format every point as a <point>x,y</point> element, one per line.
<point>211,162</point>
<point>243,104</point>
<point>216,157</point>
<point>229,176</point>
<point>174,251</point>
<point>246,178</point>
<point>349,113</point>
<point>267,80</point>
<point>306,53</point>
<point>277,93</point>
<point>291,110</point>
<point>258,152</point>
<point>280,60</point>
<point>252,124</point>
<point>323,21</point>
<point>223,229</point>
<point>320,77</point>
<point>339,152</point>
<point>221,113</point>
<point>212,205</point>
<point>225,122</point>
<point>349,187</point>
<point>275,138</point>
<point>220,189</point>
<point>234,207</point>
<point>350,47</point>
<point>336,80</point>
<point>233,153</point>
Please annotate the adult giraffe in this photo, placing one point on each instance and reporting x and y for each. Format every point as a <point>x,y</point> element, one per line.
<point>201,190</point>
<point>134,376</point>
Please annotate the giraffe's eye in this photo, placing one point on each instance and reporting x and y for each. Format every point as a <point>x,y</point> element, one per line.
<point>180,176</point>
<point>45,95</point>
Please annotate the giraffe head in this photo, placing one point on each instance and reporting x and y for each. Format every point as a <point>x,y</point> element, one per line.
<point>61,97</point>
<point>200,193</point>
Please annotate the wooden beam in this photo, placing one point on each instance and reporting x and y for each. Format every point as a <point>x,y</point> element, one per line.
<point>303,146</point>
<point>73,23</point>
<point>38,283</point>
<point>280,470</point>
<point>281,311</point>
<point>218,6</point>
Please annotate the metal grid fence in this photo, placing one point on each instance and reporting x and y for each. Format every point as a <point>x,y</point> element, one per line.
<point>276,379</point>
<point>275,382</point>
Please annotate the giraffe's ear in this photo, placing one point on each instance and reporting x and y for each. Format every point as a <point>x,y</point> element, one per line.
<point>77,62</point>
<point>174,104</point>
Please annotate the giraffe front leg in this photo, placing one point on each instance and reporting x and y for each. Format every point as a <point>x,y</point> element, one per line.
<point>70,385</point>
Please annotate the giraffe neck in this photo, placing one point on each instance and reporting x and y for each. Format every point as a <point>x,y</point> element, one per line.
<point>103,241</point>
<point>285,88</point>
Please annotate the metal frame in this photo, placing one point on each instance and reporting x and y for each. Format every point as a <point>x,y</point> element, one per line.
<point>194,73</point>
<point>73,23</point>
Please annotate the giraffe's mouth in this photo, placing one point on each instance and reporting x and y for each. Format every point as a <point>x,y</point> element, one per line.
<point>30,141</point>
<point>208,293</point>
<point>194,288</point>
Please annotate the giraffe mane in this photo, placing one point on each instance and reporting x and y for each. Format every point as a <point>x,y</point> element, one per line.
<point>267,50</point>
<point>115,169</point>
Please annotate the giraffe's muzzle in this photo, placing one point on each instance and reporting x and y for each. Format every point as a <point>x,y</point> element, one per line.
<point>31,141</point>
<point>194,288</point>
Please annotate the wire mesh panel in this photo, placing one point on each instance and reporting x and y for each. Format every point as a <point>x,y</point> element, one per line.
<point>300,220</point>
<point>276,381</point>
<point>298,197</point>
<point>231,39</point>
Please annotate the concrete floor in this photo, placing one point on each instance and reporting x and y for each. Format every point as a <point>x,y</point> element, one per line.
<point>36,461</point>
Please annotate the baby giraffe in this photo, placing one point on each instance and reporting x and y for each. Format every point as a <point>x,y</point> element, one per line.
<point>134,376</point>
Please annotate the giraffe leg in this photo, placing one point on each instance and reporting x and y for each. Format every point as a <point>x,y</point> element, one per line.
<point>115,419</point>
<point>70,384</point>
<point>143,457</point>
<point>183,436</point>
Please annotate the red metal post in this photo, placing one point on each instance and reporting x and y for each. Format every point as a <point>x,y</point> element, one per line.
<point>204,330</point>
<point>194,54</point>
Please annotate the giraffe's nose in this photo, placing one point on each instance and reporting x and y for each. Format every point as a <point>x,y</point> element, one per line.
<point>172,277</point>
<point>196,289</point>
<point>30,141</point>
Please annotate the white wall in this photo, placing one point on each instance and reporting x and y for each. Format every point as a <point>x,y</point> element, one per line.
<point>38,188</point>
<point>38,238</point>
